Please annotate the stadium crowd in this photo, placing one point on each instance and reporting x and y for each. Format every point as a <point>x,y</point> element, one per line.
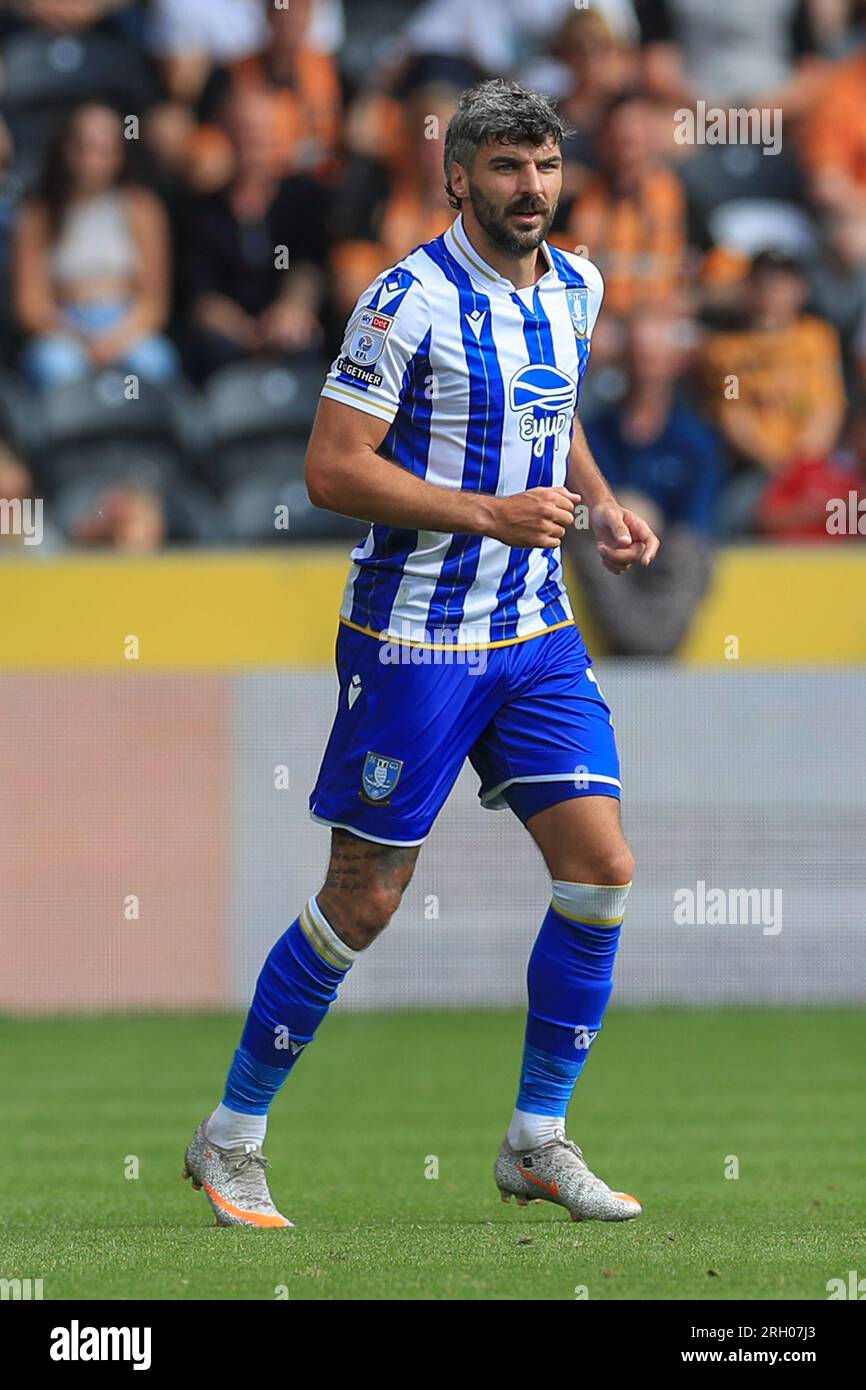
<point>194,193</point>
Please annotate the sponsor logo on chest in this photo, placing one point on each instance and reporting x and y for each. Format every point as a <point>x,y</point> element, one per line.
<point>544,398</point>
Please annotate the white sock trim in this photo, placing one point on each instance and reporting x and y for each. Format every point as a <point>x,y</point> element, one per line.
<point>228,1128</point>
<point>528,1131</point>
<point>594,904</point>
<point>324,939</point>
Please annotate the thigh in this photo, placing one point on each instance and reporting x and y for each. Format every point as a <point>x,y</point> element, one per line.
<point>582,841</point>
<point>359,866</point>
<point>404,726</point>
<point>553,736</point>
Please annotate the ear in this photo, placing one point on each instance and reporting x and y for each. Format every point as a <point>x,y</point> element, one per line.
<point>458,180</point>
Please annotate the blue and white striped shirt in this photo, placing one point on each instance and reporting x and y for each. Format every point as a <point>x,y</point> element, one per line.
<point>479,384</point>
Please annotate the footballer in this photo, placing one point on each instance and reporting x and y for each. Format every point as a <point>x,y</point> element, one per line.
<point>448,422</point>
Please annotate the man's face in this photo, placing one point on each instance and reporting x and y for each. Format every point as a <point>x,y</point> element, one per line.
<point>778,293</point>
<point>514,190</point>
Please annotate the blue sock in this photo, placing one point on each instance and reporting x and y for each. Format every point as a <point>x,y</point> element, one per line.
<point>296,987</point>
<point>570,979</point>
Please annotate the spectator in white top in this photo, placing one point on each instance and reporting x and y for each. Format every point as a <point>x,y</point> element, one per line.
<point>190,36</point>
<point>497,34</point>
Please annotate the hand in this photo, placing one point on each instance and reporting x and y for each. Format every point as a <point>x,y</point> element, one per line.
<point>536,519</point>
<point>289,327</point>
<point>106,349</point>
<point>622,537</point>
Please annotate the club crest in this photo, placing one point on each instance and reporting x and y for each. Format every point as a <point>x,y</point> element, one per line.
<point>577,307</point>
<point>380,776</point>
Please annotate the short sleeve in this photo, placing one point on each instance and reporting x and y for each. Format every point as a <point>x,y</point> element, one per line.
<point>387,326</point>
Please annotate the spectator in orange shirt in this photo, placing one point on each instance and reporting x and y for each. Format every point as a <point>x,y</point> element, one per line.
<point>307,102</point>
<point>631,216</point>
<point>834,139</point>
<point>410,207</point>
<point>775,386</point>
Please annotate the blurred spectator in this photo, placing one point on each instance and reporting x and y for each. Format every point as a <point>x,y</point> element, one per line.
<point>125,517</point>
<point>665,462</point>
<point>726,54</point>
<point>489,34</point>
<point>190,36</point>
<point>858,354</point>
<point>307,101</point>
<point>256,250</point>
<point>67,16</point>
<point>377,223</point>
<point>9,196</point>
<point>774,386</point>
<point>800,501</point>
<point>837,25</point>
<point>594,67</point>
<point>838,276</point>
<point>630,215</point>
<point>652,442</point>
<point>834,139</point>
<point>91,262</point>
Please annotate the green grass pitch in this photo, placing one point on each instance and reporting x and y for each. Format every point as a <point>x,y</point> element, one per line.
<point>667,1097</point>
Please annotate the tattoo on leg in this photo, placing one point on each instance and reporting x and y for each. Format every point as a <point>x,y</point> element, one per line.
<point>355,863</point>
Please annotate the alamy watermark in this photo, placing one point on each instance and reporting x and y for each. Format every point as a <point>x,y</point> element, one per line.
<point>739,125</point>
<point>728,907</point>
<point>440,646</point>
<point>22,517</point>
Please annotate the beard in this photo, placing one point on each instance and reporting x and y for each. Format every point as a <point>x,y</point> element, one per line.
<point>493,220</point>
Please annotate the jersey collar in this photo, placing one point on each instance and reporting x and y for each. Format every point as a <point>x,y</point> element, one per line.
<point>461,248</point>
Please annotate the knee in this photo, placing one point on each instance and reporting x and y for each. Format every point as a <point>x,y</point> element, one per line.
<point>154,359</point>
<point>358,918</point>
<point>616,865</point>
<point>608,865</point>
<point>53,360</point>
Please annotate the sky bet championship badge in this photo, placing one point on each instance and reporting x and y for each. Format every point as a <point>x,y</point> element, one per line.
<point>576,299</point>
<point>380,776</point>
<point>366,347</point>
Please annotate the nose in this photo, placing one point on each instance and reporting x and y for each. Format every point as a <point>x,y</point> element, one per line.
<point>529,183</point>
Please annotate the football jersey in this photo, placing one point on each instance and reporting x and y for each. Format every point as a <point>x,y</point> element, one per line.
<point>479,383</point>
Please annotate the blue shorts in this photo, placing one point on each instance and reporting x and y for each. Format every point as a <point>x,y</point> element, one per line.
<point>529,716</point>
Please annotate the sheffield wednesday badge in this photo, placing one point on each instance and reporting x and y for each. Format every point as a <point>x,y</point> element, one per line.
<point>380,776</point>
<point>577,307</point>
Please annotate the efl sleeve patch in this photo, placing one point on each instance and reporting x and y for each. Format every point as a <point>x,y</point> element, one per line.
<point>386,327</point>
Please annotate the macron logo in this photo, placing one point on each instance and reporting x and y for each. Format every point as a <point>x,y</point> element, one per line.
<point>77,1343</point>
<point>476,321</point>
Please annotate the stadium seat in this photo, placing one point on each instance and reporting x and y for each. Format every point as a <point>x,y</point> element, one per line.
<point>255,410</point>
<point>251,508</point>
<point>19,423</point>
<point>96,419</point>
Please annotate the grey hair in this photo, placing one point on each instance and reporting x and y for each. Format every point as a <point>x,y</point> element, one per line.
<point>502,111</point>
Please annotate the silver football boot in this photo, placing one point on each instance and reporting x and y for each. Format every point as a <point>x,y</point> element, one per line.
<point>234,1180</point>
<point>558,1172</point>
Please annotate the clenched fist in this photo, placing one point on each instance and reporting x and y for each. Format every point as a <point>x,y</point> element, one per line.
<point>534,519</point>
